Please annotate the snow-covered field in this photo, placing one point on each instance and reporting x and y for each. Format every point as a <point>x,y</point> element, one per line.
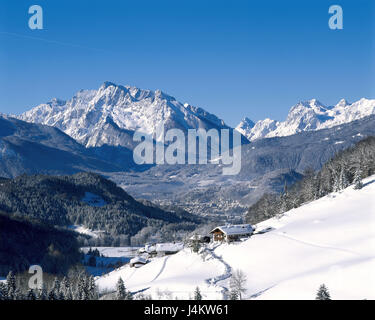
<point>111,258</point>
<point>114,252</point>
<point>330,241</point>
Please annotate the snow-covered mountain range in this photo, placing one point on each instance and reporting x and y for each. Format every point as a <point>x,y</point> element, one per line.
<point>112,113</point>
<point>308,116</point>
<point>34,148</point>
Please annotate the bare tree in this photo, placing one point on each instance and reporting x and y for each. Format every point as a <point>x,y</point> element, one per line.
<point>237,283</point>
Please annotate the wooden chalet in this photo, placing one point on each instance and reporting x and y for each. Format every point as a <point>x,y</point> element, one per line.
<point>231,233</point>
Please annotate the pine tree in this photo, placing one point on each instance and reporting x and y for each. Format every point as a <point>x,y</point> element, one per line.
<point>233,295</point>
<point>343,179</point>
<point>120,290</point>
<point>31,295</point>
<point>336,183</point>
<point>56,288</point>
<point>92,289</point>
<point>316,188</point>
<point>11,282</point>
<point>129,295</point>
<point>197,294</point>
<point>323,293</point>
<point>52,295</point>
<point>69,294</point>
<point>42,294</point>
<point>81,290</point>
<point>195,245</point>
<point>3,291</point>
<point>18,295</point>
<point>61,296</point>
<point>358,179</point>
<point>284,201</point>
<point>65,286</point>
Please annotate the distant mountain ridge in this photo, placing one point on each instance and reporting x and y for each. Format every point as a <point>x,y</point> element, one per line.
<point>35,148</point>
<point>111,114</point>
<point>308,116</point>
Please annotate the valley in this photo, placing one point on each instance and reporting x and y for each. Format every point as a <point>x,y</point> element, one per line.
<point>69,167</point>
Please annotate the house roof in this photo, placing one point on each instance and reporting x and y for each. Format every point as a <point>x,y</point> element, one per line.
<point>138,260</point>
<point>150,248</point>
<point>169,247</point>
<point>196,237</point>
<point>237,229</point>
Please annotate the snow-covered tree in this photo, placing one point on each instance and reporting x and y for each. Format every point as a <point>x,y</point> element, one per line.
<point>92,289</point>
<point>195,244</point>
<point>237,283</point>
<point>120,289</point>
<point>358,179</point>
<point>233,295</point>
<point>56,287</point>
<point>11,281</point>
<point>3,291</point>
<point>65,286</point>
<point>80,292</point>
<point>42,294</point>
<point>31,295</point>
<point>197,294</point>
<point>336,183</point>
<point>11,286</point>
<point>142,296</point>
<point>323,293</point>
<point>69,294</point>
<point>51,295</point>
<point>343,179</point>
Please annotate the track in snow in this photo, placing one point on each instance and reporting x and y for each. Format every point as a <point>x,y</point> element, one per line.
<point>162,269</point>
<point>227,273</point>
<point>311,244</point>
<point>259,293</point>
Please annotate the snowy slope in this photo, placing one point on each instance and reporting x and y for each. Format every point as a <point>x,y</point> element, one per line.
<point>112,113</point>
<point>83,230</point>
<point>307,116</point>
<point>331,241</point>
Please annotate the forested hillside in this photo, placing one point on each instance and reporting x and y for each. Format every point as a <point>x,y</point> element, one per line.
<point>85,199</point>
<point>24,243</point>
<point>347,167</point>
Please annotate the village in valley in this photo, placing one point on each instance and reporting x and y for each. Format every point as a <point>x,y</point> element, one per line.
<point>103,262</point>
<point>99,260</point>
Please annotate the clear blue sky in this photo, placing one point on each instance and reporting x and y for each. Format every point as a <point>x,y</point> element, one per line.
<point>233,58</point>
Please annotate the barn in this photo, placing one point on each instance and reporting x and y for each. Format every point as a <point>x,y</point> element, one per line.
<point>198,238</point>
<point>231,233</point>
<point>138,262</point>
<point>168,248</point>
